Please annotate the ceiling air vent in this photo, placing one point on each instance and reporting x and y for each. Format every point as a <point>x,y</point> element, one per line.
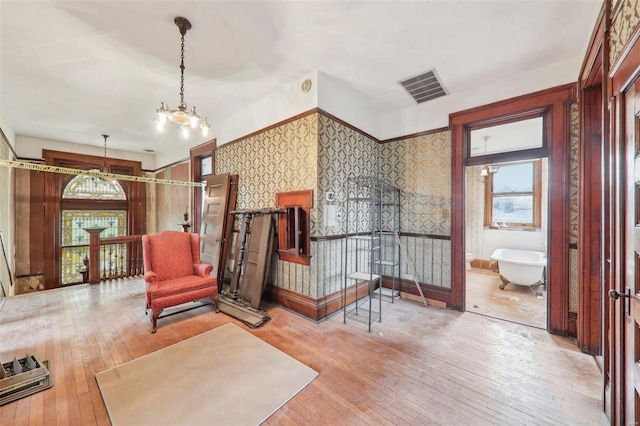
<point>424,87</point>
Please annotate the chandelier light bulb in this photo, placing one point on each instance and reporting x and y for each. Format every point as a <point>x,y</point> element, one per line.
<point>159,125</point>
<point>193,118</point>
<point>204,126</point>
<point>185,130</point>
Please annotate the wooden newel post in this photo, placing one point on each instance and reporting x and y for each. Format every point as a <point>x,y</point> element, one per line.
<point>94,254</point>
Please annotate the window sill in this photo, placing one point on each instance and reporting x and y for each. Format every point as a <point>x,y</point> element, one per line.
<point>513,228</point>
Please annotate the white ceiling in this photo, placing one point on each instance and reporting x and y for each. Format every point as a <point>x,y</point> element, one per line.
<point>71,71</point>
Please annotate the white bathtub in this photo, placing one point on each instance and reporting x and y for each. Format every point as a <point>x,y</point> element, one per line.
<point>521,267</point>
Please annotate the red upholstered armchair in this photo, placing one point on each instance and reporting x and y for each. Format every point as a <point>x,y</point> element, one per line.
<point>173,273</point>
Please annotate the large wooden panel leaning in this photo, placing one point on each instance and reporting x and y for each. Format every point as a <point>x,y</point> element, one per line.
<point>217,223</point>
<point>257,259</point>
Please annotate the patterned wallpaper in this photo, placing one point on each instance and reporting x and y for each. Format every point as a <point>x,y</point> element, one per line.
<point>319,153</point>
<point>574,164</point>
<point>622,27</point>
<point>474,212</point>
<point>574,168</point>
<point>342,153</point>
<point>280,159</point>
<point>418,166</point>
<point>421,168</point>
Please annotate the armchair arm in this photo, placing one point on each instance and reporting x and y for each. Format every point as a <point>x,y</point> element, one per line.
<point>151,279</point>
<point>202,269</point>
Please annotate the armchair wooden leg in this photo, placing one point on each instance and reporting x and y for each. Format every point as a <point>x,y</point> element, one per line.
<point>154,319</point>
<point>216,302</point>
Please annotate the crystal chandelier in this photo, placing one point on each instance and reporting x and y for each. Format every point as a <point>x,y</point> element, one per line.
<point>186,120</point>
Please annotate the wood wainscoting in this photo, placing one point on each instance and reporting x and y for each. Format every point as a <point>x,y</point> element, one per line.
<point>318,309</point>
<point>315,309</point>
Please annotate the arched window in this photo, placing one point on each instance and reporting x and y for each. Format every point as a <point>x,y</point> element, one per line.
<point>101,214</point>
<point>84,187</point>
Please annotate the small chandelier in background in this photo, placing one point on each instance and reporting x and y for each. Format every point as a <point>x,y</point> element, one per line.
<point>488,170</point>
<point>186,120</point>
<point>106,168</point>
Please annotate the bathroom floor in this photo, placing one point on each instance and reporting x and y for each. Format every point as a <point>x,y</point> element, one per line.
<point>515,303</point>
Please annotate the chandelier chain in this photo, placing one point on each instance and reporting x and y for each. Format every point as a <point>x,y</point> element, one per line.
<point>182,102</point>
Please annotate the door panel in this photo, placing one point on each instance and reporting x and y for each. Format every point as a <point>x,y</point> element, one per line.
<point>626,306</point>
<point>219,199</point>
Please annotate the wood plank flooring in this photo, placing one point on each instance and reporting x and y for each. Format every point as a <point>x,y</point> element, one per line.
<point>419,366</point>
<point>515,303</point>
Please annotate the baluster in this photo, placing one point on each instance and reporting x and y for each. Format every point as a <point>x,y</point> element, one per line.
<point>104,259</point>
<point>115,249</point>
<point>110,261</point>
<point>140,264</point>
<point>123,259</point>
<point>114,260</point>
<point>131,251</point>
<point>132,258</point>
<point>121,270</point>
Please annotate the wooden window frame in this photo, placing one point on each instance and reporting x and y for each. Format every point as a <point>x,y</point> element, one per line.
<point>296,221</point>
<point>536,193</point>
<point>54,184</point>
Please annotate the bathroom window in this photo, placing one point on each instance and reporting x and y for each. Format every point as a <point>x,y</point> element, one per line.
<point>513,195</point>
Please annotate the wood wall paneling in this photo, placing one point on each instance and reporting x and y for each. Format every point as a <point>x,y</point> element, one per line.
<point>36,223</point>
<point>594,123</point>
<point>590,223</point>
<point>318,309</point>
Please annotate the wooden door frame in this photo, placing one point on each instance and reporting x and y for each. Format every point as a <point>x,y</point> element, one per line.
<point>196,154</point>
<point>593,220</point>
<point>556,104</point>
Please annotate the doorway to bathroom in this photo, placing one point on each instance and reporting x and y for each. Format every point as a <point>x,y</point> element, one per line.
<point>506,226</point>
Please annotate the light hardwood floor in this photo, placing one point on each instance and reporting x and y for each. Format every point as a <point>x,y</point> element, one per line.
<point>419,366</point>
<point>515,303</point>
